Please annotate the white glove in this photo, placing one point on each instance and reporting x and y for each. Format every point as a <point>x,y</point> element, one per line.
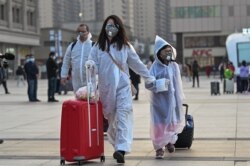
<point>150,80</point>
<point>162,85</point>
<point>90,64</point>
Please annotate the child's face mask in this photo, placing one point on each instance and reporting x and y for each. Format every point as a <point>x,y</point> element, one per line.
<point>166,54</point>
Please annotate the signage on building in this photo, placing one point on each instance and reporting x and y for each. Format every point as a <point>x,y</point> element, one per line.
<point>202,52</point>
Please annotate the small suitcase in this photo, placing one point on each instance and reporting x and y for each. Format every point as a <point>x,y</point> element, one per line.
<point>185,138</point>
<point>229,86</point>
<point>215,88</point>
<point>81,131</point>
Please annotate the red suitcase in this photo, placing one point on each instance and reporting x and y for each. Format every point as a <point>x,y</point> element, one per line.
<point>81,131</point>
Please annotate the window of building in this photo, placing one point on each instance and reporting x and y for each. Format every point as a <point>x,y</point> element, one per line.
<point>195,12</point>
<point>16,16</point>
<point>230,11</point>
<point>204,41</point>
<point>2,12</point>
<point>30,18</point>
<point>248,10</point>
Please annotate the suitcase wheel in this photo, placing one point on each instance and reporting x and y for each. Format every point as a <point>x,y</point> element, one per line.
<point>102,159</point>
<point>62,162</point>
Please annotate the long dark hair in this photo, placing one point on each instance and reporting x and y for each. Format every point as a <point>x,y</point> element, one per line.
<point>120,39</point>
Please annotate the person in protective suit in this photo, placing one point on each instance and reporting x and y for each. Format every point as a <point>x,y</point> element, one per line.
<point>112,56</point>
<point>76,55</point>
<point>167,116</point>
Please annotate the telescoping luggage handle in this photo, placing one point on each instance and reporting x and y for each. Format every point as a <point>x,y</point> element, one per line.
<point>92,88</point>
<point>186,105</point>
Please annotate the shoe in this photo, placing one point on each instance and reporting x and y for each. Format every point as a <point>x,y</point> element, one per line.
<point>119,156</point>
<point>52,100</point>
<point>37,100</point>
<point>7,92</point>
<point>159,154</point>
<point>136,98</point>
<point>1,141</point>
<point>170,147</point>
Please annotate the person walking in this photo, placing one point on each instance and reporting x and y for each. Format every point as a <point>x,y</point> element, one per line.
<point>112,56</point>
<point>4,75</point>
<point>167,116</point>
<point>52,76</point>
<point>244,75</point>
<point>195,71</point>
<point>59,86</point>
<point>75,57</point>
<point>135,80</point>
<point>20,76</point>
<point>31,71</point>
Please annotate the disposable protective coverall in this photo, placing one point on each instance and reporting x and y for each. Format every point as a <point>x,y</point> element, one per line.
<point>167,116</point>
<point>115,91</point>
<point>76,59</point>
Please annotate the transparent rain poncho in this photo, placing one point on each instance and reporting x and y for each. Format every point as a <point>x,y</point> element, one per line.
<point>167,116</point>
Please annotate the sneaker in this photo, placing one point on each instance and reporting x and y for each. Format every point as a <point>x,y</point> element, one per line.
<point>1,141</point>
<point>119,156</point>
<point>159,154</point>
<point>170,147</point>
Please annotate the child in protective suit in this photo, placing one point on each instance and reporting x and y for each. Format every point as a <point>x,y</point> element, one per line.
<point>167,116</point>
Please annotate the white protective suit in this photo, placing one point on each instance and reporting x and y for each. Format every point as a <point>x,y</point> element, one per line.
<point>115,91</point>
<point>167,116</point>
<point>76,59</point>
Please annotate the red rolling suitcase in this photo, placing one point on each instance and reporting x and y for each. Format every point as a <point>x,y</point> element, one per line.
<point>81,131</point>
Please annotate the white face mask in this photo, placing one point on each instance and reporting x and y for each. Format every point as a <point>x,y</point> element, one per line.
<point>32,59</point>
<point>169,57</point>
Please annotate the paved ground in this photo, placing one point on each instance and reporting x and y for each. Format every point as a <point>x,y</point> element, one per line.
<point>222,130</point>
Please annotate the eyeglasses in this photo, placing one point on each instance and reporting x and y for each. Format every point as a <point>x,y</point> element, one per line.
<point>112,26</point>
<point>168,51</point>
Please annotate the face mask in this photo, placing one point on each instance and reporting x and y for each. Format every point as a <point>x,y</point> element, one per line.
<point>111,30</point>
<point>32,59</point>
<point>169,56</point>
<point>82,34</point>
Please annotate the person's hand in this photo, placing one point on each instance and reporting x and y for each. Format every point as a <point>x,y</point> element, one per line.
<point>167,82</point>
<point>90,64</point>
<point>63,81</point>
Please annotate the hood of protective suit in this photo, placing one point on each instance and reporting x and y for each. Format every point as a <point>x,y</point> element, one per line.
<point>159,43</point>
<point>89,37</point>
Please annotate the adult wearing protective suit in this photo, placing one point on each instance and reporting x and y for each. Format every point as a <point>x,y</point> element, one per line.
<point>167,116</point>
<point>75,57</point>
<point>114,82</point>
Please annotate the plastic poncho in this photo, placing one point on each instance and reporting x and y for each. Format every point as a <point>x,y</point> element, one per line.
<point>115,91</point>
<point>167,116</point>
<point>76,59</point>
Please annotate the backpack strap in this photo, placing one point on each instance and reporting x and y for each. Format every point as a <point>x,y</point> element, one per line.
<point>73,45</point>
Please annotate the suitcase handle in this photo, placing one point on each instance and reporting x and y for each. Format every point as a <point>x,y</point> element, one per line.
<point>186,105</point>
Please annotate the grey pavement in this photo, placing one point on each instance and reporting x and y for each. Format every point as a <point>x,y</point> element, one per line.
<point>221,137</point>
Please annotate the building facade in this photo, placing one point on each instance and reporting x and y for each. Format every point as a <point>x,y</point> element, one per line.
<point>96,11</point>
<point>152,18</point>
<point>201,28</point>
<point>19,29</point>
<point>54,13</point>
